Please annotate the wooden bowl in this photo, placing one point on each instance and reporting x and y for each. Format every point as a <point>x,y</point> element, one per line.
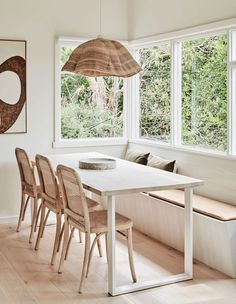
<point>97,163</point>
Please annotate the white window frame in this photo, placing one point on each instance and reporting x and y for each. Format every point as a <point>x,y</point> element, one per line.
<point>216,28</point>
<point>131,92</point>
<point>232,92</point>
<point>62,143</point>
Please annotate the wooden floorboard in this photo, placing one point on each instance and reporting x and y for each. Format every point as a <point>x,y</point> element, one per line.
<point>27,277</point>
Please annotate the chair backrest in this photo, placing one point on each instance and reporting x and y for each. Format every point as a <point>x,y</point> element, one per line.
<point>73,195</point>
<point>48,181</point>
<point>26,170</point>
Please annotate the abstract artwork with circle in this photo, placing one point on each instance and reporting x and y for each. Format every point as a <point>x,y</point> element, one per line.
<point>13,116</point>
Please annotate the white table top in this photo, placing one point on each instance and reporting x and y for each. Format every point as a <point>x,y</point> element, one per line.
<point>127,177</point>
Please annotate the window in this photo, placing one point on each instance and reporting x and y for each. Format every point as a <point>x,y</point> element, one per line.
<point>204,92</point>
<point>91,107</point>
<point>155,87</point>
<point>184,97</point>
<point>186,93</point>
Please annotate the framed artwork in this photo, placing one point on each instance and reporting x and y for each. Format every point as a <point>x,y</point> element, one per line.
<point>13,108</point>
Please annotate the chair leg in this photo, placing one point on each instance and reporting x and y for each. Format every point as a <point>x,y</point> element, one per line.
<point>131,258</point>
<point>70,238</point>
<point>86,258</point>
<point>22,205</point>
<point>80,237</point>
<point>61,235</point>
<point>64,247</point>
<point>37,218</point>
<point>25,207</point>
<point>57,238</point>
<point>99,247</point>
<point>91,250</point>
<point>41,226</point>
<point>34,219</point>
<point>45,221</point>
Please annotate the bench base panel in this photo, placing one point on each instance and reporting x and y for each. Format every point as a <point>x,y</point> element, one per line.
<point>214,240</point>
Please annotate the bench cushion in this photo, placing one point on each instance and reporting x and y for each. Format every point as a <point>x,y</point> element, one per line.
<point>219,210</point>
<point>161,163</point>
<point>137,157</point>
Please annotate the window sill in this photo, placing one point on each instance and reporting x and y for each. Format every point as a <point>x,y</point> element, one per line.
<point>89,142</point>
<point>199,151</point>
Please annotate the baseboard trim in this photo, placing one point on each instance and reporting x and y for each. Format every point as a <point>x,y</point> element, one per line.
<point>14,218</point>
<point>9,219</point>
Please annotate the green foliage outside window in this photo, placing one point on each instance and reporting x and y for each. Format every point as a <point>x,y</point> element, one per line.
<point>204,92</point>
<point>155,86</point>
<point>93,107</point>
<point>90,107</point>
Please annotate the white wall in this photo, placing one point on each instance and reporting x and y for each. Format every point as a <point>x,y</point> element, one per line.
<point>39,22</point>
<point>151,17</point>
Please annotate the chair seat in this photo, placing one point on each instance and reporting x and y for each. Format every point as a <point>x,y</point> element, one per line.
<point>28,189</point>
<point>53,207</point>
<point>92,205</point>
<point>99,222</point>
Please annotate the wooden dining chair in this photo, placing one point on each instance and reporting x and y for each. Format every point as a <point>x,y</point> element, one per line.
<point>52,201</point>
<point>77,215</point>
<point>29,189</point>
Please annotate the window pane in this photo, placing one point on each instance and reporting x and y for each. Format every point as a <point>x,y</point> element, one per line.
<point>204,93</point>
<point>90,106</point>
<point>155,86</point>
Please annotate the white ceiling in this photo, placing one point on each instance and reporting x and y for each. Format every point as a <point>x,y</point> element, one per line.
<point>150,17</point>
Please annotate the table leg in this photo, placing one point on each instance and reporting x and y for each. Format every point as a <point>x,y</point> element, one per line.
<point>161,281</point>
<point>111,245</point>
<point>188,244</point>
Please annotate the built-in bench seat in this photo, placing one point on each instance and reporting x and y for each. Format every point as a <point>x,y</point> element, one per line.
<point>160,214</point>
<point>206,206</point>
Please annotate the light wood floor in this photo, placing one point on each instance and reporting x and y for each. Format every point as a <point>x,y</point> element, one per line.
<point>26,276</point>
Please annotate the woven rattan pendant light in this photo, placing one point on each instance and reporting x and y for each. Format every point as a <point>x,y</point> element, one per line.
<point>102,57</point>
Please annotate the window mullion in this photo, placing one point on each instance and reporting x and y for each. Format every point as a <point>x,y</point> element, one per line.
<point>233,109</point>
<point>134,103</point>
<point>231,92</point>
<point>126,108</point>
<point>176,93</point>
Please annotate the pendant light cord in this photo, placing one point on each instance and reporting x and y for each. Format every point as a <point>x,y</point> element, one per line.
<point>100,18</point>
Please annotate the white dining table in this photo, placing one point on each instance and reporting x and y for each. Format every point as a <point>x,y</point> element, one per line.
<point>127,178</point>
